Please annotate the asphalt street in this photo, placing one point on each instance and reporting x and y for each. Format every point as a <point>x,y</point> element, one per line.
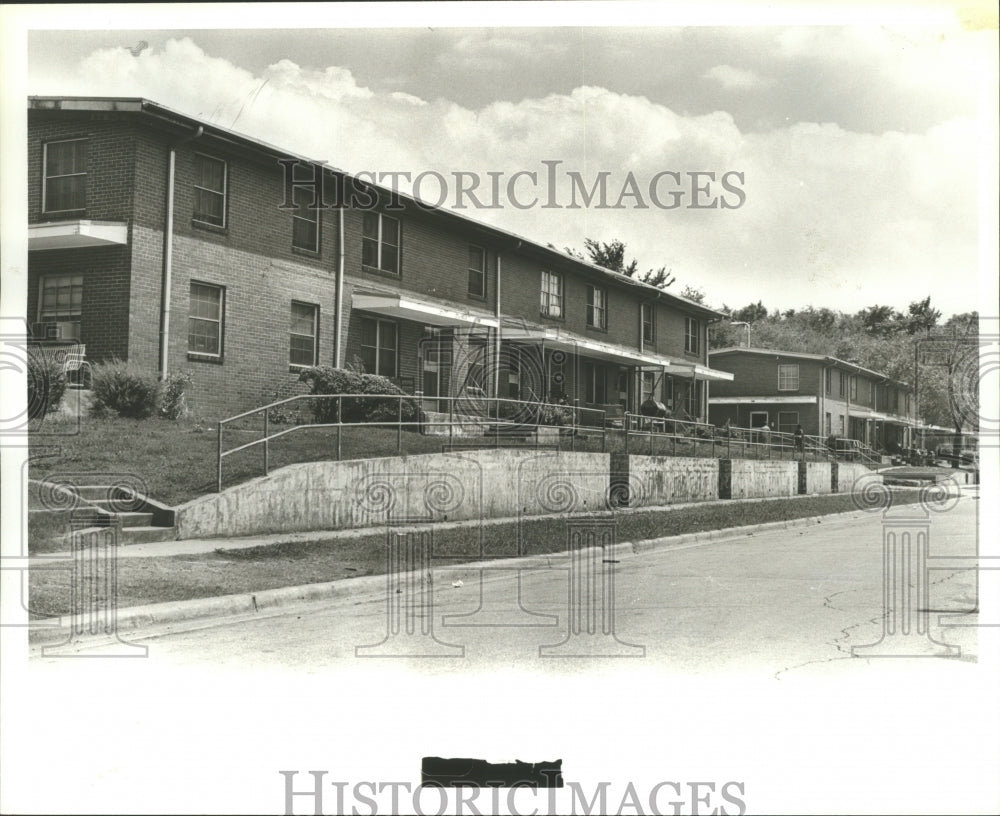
<point>767,604</point>
<point>726,660</point>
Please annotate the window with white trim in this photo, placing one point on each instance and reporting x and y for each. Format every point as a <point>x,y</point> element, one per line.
<point>303,334</point>
<point>477,271</point>
<point>205,319</point>
<point>552,294</point>
<point>854,387</point>
<point>597,307</point>
<point>648,324</point>
<point>305,220</point>
<point>65,175</point>
<point>210,177</point>
<point>380,242</point>
<point>788,378</point>
<point>691,332</point>
<point>648,386</point>
<point>379,346</point>
<point>61,301</point>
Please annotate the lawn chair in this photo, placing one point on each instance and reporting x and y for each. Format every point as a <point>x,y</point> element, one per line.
<point>76,361</point>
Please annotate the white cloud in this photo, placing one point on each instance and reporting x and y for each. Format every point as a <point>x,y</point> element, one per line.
<point>827,210</point>
<point>734,78</point>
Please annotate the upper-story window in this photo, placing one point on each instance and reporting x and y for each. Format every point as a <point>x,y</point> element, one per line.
<point>788,378</point>
<point>854,387</point>
<point>305,221</point>
<point>65,172</point>
<point>205,320</point>
<point>871,394</point>
<point>597,307</point>
<point>210,177</point>
<point>477,271</point>
<point>380,242</point>
<point>648,323</point>
<point>829,381</point>
<point>843,382</point>
<point>552,294</point>
<point>691,332</point>
<point>906,404</point>
<point>303,334</point>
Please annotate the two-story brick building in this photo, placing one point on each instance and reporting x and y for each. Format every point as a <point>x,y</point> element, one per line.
<point>823,394</point>
<point>165,240</point>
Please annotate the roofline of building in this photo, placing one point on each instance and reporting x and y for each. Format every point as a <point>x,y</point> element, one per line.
<point>803,355</point>
<point>156,110</point>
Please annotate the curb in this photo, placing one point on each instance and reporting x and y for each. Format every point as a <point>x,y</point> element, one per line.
<point>373,587</point>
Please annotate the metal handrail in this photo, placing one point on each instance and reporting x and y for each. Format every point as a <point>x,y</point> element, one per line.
<point>486,411</point>
<point>531,415</point>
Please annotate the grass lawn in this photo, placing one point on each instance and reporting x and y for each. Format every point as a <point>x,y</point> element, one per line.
<point>177,460</point>
<point>228,572</point>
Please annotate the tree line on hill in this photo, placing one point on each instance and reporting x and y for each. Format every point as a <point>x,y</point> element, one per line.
<point>940,359</point>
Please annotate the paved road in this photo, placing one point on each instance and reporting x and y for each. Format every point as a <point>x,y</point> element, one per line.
<point>769,604</point>
<point>746,675</point>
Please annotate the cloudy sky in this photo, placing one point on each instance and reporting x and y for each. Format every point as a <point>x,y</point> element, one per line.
<point>859,146</point>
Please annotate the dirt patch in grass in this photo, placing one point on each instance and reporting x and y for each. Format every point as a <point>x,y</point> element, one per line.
<point>237,571</point>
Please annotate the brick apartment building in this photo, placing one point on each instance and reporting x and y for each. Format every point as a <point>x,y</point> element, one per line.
<point>165,240</point>
<point>825,395</point>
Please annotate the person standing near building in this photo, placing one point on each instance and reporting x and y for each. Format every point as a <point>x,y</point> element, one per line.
<point>799,439</point>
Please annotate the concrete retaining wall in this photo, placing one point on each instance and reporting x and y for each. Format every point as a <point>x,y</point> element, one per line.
<point>850,472</point>
<point>758,479</point>
<point>459,486</point>
<point>659,480</point>
<point>819,477</point>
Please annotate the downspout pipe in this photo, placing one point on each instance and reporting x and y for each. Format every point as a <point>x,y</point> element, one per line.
<point>168,253</point>
<point>337,342</point>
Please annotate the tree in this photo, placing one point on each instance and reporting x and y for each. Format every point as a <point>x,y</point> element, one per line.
<point>612,256</point>
<point>922,316</point>
<point>880,321</point>
<point>693,293</point>
<point>751,313</point>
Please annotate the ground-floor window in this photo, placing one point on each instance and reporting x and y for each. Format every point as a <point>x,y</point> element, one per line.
<point>648,385</point>
<point>304,333</point>
<point>61,303</point>
<point>595,384</point>
<point>379,347</point>
<point>829,425</point>
<point>788,421</point>
<point>205,319</point>
<point>758,419</point>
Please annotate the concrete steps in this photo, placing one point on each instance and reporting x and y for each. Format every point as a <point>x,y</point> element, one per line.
<point>102,505</point>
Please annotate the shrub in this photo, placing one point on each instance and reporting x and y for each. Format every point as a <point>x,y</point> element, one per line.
<point>172,404</point>
<point>327,380</point>
<point>46,382</point>
<point>555,415</point>
<point>125,389</point>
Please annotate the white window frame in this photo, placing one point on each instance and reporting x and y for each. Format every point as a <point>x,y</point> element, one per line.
<point>221,320</point>
<point>46,176</point>
<point>314,337</point>
<point>224,192</point>
<point>380,242</point>
<point>788,380</point>
<point>57,315</point>
<point>552,302</point>
<point>379,322</point>
<point>692,335</point>
<point>597,313</point>
<point>644,309</point>
<point>314,221</point>
<point>481,271</point>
